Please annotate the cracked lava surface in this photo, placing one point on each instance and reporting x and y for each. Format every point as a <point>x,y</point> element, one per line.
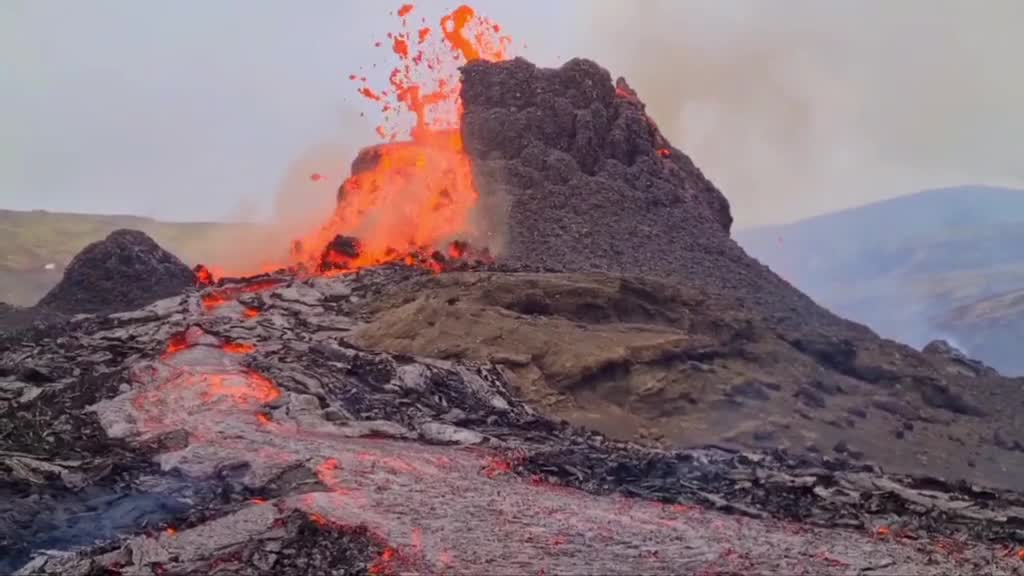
<point>440,509</point>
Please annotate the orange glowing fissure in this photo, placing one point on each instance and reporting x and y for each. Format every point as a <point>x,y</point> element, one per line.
<point>419,194</point>
<point>238,347</point>
<point>177,343</point>
<point>254,389</point>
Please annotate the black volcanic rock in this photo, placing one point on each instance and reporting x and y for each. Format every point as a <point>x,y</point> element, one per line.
<point>310,454</point>
<point>583,180</point>
<point>125,271</point>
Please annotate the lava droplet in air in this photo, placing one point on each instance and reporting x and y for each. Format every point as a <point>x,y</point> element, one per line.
<point>415,192</point>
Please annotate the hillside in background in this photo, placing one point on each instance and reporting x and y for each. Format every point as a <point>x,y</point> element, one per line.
<point>942,263</point>
<point>36,246</point>
<point>938,264</point>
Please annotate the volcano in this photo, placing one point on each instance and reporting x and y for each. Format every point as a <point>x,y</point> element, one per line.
<point>523,343</point>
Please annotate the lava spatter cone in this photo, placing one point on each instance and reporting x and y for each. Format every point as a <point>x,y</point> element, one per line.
<point>125,271</point>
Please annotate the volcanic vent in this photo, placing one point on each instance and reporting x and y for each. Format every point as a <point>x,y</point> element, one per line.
<point>549,169</point>
<point>411,198</point>
<point>581,179</point>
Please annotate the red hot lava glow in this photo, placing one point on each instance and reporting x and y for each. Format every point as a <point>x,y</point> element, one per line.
<point>419,193</point>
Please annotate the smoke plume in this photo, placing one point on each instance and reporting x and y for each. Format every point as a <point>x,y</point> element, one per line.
<point>802,107</point>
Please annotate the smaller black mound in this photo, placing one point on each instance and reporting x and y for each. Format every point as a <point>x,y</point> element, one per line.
<point>125,271</point>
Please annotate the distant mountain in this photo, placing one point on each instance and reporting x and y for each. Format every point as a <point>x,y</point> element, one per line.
<point>36,246</point>
<point>914,268</point>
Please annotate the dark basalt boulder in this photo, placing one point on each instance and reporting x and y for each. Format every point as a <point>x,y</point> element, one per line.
<point>125,271</point>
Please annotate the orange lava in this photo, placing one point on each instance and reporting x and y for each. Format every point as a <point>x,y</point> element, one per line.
<point>217,298</point>
<point>260,286</point>
<point>177,343</point>
<point>203,276</point>
<point>251,313</point>
<point>214,300</point>
<point>238,347</point>
<point>417,193</point>
<point>385,563</point>
<point>626,93</point>
<point>327,472</point>
<point>255,389</point>
<point>664,152</point>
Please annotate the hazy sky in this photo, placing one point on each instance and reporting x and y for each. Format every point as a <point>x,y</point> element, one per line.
<point>212,109</point>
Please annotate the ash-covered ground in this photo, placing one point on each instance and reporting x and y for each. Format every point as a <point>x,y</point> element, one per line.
<point>250,435</point>
<point>623,391</point>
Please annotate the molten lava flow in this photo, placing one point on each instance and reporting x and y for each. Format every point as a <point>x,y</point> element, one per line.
<point>413,194</point>
<point>215,300</point>
<point>238,347</point>
<point>251,389</point>
<point>177,343</point>
<point>203,276</point>
<point>385,563</point>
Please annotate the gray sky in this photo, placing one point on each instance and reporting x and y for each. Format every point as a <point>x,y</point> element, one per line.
<point>218,109</point>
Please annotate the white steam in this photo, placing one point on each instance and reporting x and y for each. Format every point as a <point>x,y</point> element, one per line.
<point>801,107</point>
